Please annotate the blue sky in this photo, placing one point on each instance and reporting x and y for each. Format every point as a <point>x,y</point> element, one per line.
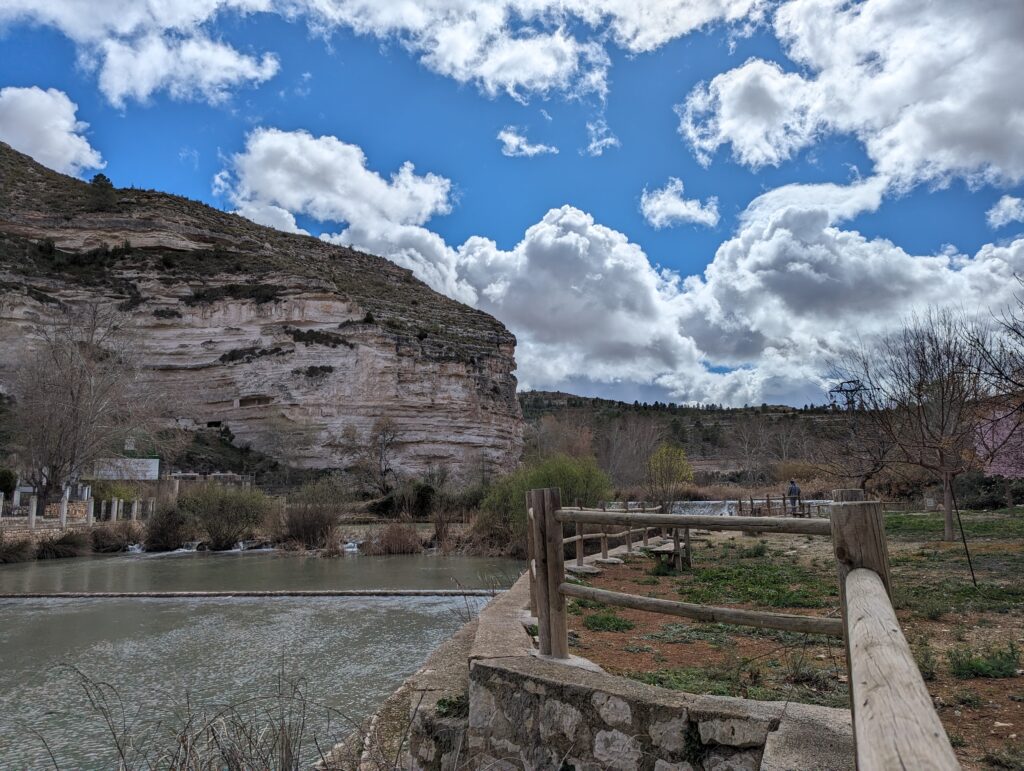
<point>745,334</point>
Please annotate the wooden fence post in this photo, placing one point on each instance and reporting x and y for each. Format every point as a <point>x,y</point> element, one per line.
<point>33,504</point>
<point>686,548</point>
<point>604,544</point>
<point>2,503</point>
<point>540,565</point>
<point>89,511</point>
<point>677,555</point>
<point>858,539</point>
<point>556,574</point>
<point>63,516</point>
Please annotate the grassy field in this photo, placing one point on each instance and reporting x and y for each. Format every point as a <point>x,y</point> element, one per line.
<point>967,639</point>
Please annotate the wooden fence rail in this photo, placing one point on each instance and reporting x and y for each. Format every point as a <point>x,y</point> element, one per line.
<point>895,724</point>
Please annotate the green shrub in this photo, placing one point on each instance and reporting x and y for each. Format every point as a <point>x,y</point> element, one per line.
<point>503,511</point>
<point>607,621</point>
<point>225,515</point>
<point>68,544</point>
<point>989,662</point>
<point>312,514</point>
<point>169,528</point>
<point>20,550</point>
<point>115,536</point>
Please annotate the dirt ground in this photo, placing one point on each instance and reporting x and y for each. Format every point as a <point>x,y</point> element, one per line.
<point>967,640</point>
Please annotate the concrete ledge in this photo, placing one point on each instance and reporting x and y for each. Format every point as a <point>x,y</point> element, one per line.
<point>810,737</point>
<point>500,632</point>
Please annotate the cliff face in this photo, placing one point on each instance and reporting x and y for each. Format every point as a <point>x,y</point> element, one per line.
<point>284,339</point>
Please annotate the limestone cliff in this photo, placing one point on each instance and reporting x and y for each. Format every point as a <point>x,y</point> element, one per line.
<point>284,339</point>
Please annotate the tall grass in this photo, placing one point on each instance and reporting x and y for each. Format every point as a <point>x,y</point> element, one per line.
<point>271,732</point>
<point>15,549</point>
<point>395,538</point>
<point>68,544</point>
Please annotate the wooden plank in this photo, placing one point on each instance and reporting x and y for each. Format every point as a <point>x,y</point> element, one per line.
<point>702,521</point>
<point>540,562</point>
<point>738,616</point>
<point>675,549</point>
<point>895,725</point>
<point>557,618</point>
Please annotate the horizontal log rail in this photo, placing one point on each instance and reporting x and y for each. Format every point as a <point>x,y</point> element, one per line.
<point>739,616</point>
<point>894,720</point>
<point>810,526</point>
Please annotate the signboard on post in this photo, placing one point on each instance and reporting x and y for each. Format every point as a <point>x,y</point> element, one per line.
<point>128,469</point>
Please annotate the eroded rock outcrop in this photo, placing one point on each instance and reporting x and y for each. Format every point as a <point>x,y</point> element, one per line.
<point>284,339</point>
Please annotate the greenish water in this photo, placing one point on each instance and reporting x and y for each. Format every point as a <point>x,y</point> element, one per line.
<point>351,651</point>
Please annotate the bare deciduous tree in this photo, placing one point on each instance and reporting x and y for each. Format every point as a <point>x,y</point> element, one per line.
<point>373,455</point>
<point>78,397</point>
<point>749,437</point>
<point>927,393</point>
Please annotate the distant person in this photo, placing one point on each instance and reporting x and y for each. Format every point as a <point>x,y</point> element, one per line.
<point>793,493</point>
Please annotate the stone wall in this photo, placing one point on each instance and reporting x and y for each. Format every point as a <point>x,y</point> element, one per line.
<point>531,713</point>
<point>528,712</point>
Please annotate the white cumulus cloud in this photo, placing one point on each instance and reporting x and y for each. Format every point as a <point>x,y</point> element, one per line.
<point>666,207</point>
<point>517,47</point>
<point>514,144</point>
<point>932,88</point>
<point>782,294</point>
<point>1006,210</point>
<point>44,125</point>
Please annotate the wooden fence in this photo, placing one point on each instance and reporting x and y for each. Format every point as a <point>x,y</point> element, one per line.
<point>894,720</point>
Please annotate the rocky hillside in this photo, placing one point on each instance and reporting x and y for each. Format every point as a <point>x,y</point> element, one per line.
<point>283,339</point>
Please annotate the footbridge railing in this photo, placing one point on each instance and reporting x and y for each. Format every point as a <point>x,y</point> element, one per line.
<point>895,723</point>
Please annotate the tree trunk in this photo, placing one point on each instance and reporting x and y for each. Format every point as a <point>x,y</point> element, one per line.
<point>947,502</point>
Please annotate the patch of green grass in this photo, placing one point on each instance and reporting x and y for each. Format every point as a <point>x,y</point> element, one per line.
<point>761,583</point>
<point>577,605</point>
<point>1008,758</point>
<point>607,621</point>
<point>933,598</point>
<point>757,550</point>
<point>453,706</point>
<point>713,634</point>
<point>743,683</point>
<point>925,658</point>
<point>967,699</point>
<point>648,581</point>
<point>992,661</point>
<point>662,568</point>
<point>956,740</point>
<point>638,649</point>
<point>1007,523</point>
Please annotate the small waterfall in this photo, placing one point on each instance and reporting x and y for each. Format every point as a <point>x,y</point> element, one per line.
<point>705,508</point>
<point>135,548</point>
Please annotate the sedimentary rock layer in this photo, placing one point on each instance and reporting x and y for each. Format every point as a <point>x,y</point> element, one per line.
<point>283,339</point>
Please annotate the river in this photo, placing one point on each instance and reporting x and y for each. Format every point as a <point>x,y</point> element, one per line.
<point>156,653</point>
